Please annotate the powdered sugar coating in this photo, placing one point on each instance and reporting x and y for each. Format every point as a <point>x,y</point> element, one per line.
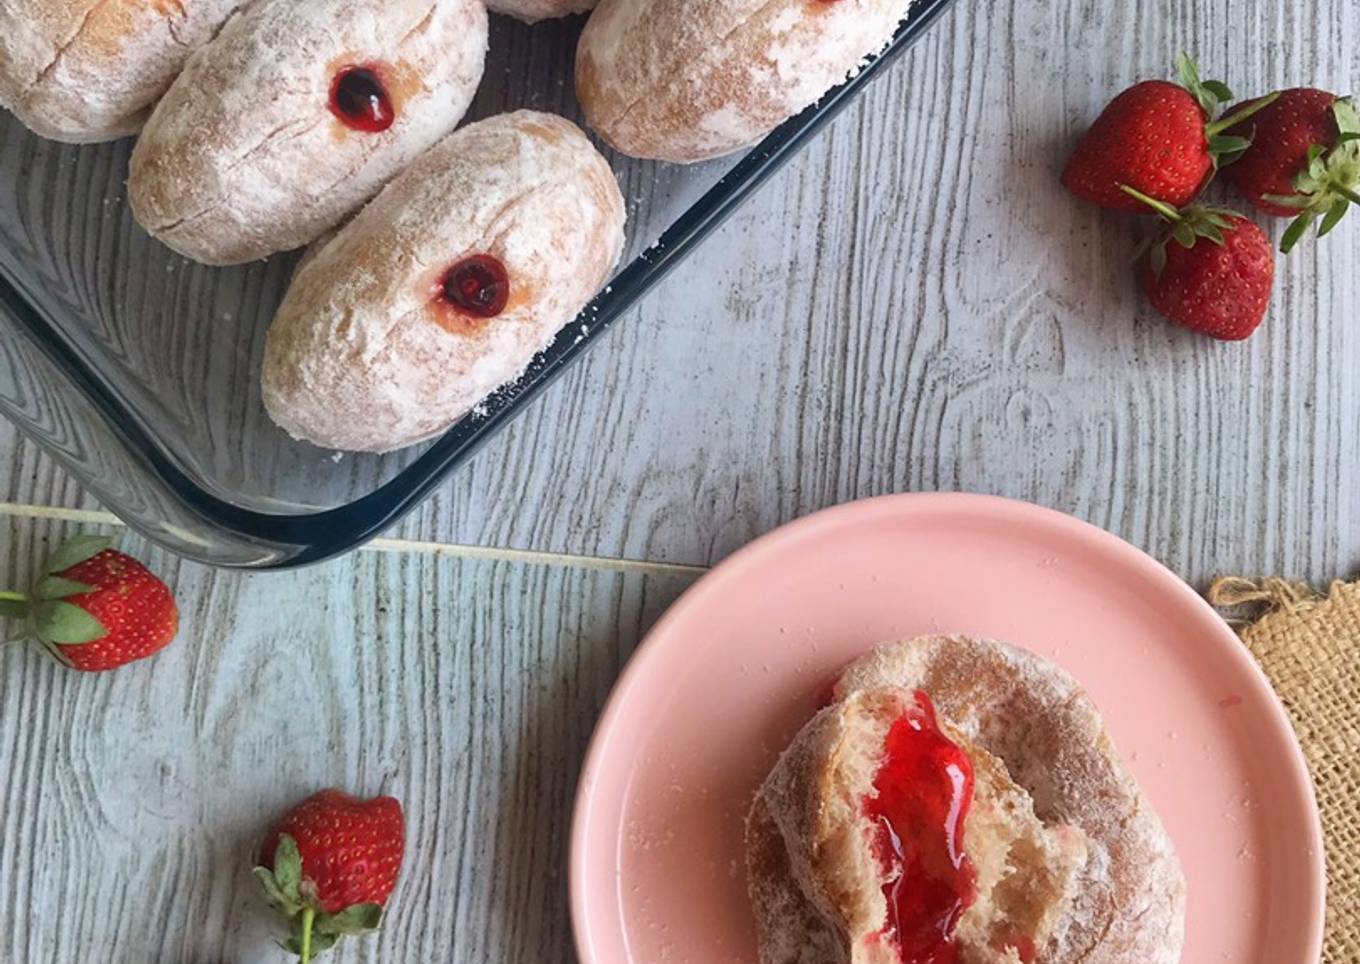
<point>532,11</point>
<point>243,157</point>
<point>686,80</point>
<point>357,357</point>
<point>85,70</point>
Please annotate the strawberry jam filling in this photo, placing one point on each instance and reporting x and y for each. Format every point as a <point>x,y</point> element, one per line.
<point>360,100</point>
<point>478,286</point>
<point>923,791</point>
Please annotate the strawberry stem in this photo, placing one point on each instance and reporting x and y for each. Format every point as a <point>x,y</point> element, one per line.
<point>14,605</point>
<point>308,916</point>
<point>1161,207</point>
<point>1347,193</point>
<point>1232,120</point>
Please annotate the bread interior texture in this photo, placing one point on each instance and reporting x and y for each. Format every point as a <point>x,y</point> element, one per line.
<point>1025,869</point>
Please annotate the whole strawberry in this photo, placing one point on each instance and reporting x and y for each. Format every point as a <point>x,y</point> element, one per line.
<point>1159,138</point>
<point>329,866</point>
<point>1211,271</point>
<point>94,608</point>
<point>1304,162</point>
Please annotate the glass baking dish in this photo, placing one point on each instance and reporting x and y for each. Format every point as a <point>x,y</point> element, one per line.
<point>138,370</point>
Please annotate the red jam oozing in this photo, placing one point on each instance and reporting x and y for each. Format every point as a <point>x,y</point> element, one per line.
<point>360,100</point>
<point>477,286</point>
<point>924,789</point>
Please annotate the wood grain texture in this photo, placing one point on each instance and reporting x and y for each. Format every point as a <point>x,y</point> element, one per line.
<point>132,800</point>
<point>914,304</point>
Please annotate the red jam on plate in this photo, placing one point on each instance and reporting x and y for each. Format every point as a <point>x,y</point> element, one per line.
<point>360,101</point>
<point>923,791</point>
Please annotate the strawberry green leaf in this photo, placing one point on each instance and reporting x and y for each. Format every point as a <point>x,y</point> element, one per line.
<point>356,919</point>
<point>1347,117</point>
<point>75,551</point>
<point>1294,234</point>
<point>1228,144</point>
<point>1188,71</point>
<point>66,624</point>
<point>1184,235</point>
<point>1157,259</point>
<point>274,894</point>
<point>13,608</point>
<point>1219,89</point>
<point>1333,217</point>
<point>288,869</point>
<point>320,942</point>
<point>1316,172</point>
<point>265,876</point>
<point>1228,148</point>
<point>55,587</point>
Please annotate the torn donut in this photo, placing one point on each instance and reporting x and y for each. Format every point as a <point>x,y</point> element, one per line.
<point>960,800</point>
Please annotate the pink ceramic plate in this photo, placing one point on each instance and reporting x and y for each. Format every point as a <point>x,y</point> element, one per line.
<point>726,678</point>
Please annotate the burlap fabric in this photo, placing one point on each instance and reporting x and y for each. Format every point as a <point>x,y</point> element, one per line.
<point>1309,645</point>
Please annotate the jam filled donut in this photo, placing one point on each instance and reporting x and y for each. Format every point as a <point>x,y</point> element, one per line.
<point>532,11</point>
<point>959,800</point>
<point>296,115</point>
<point>91,70</point>
<point>686,80</point>
<point>445,286</point>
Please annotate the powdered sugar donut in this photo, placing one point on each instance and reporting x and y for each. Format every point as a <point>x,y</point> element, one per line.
<point>685,80</point>
<point>532,11</point>
<point>445,286</point>
<point>87,70</point>
<point>296,115</point>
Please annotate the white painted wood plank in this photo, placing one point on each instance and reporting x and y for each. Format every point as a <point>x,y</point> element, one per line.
<point>132,800</point>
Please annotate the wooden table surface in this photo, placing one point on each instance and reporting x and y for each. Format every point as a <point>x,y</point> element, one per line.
<point>912,305</point>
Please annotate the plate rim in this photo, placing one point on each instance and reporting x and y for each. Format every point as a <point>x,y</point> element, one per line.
<point>651,648</point>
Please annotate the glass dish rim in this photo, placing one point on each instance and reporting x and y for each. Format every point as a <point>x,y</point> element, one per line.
<point>309,537</point>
